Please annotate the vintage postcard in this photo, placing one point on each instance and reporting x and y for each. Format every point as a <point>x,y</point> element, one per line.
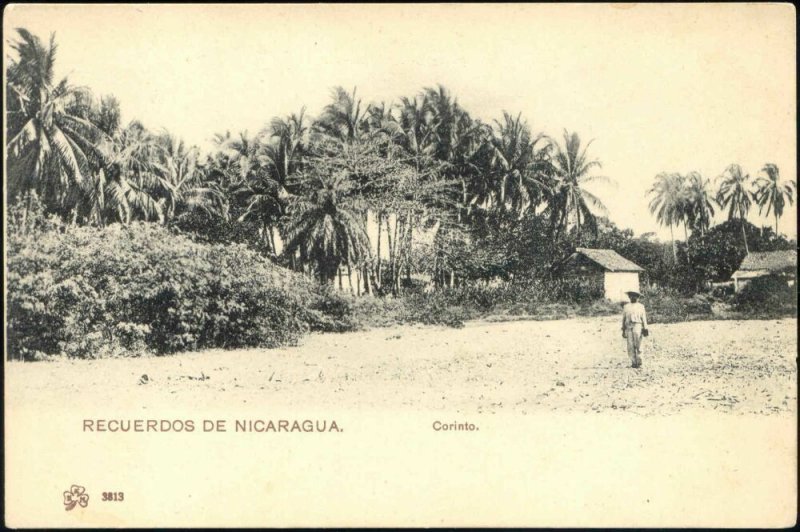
<point>400,265</point>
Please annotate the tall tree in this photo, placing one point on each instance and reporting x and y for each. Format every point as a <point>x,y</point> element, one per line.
<point>734,194</point>
<point>699,202</point>
<point>517,164</point>
<point>285,145</point>
<point>51,147</point>
<point>133,178</point>
<point>668,203</point>
<point>323,227</point>
<point>773,195</point>
<point>343,118</point>
<point>572,168</point>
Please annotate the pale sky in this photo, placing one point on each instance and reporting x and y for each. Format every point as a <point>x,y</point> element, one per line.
<point>658,87</point>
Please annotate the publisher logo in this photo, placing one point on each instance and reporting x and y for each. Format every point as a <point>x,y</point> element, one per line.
<point>76,495</point>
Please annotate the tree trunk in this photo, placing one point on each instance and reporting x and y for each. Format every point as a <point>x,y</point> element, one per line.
<point>378,265</point>
<point>744,236</point>
<point>409,239</point>
<point>463,206</point>
<point>776,224</point>
<point>398,250</point>
<point>391,246</point>
<point>367,281</point>
<point>272,239</point>
<point>395,258</point>
<point>25,213</point>
<point>686,237</point>
<point>674,247</point>
<point>350,279</point>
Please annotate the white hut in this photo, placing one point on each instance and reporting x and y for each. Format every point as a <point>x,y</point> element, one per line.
<point>613,274</point>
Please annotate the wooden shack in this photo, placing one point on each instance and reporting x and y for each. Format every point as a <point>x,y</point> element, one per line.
<point>610,272</point>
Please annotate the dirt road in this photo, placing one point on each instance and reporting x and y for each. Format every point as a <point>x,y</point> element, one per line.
<point>577,365</point>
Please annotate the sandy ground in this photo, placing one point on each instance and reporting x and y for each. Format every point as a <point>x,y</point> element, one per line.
<point>576,365</point>
<point>703,435</point>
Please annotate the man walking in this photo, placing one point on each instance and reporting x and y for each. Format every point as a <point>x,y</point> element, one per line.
<point>634,325</point>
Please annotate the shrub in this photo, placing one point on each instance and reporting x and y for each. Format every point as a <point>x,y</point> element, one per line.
<point>769,296</point>
<point>669,306</point>
<point>435,309</point>
<point>126,290</point>
<point>331,311</point>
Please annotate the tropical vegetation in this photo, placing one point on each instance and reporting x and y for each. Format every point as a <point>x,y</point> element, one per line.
<point>415,198</point>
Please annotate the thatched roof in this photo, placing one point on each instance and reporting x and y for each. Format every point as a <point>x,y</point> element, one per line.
<point>771,261</point>
<point>608,259</point>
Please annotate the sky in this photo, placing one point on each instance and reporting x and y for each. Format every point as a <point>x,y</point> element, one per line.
<point>657,88</point>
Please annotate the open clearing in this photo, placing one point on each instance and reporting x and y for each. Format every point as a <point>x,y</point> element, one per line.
<point>577,365</point>
<point>568,433</point>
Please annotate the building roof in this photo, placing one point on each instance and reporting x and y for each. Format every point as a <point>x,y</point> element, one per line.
<point>609,260</point>
<point>770,261</point>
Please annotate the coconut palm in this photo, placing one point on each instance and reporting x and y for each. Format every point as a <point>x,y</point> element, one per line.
<point>51,148</point>
<point>734,195</point>
<point>571,170</point>
<point>183,183</point>
<point>324,229</point>
<point>444,114</point>
<point>668,202</point>
<point>131,183</point>
<point>517,164</point>
<point>699,202</point>
<point>285,144</point>
<point>254,170</point>
<point>417,133</point>
<point>473,150</point>
<point>343,119</point>
<point>773,195</point>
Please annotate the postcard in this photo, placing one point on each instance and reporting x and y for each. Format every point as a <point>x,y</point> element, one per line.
<point>403,265</point>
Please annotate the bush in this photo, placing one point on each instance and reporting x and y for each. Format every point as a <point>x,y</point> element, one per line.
<point>127,290</point>
<point>768,296</point>
<point>331,311</point>
<point>435,309</point>
<point>669,306</point>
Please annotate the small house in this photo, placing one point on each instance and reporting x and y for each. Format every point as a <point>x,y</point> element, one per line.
<point>763,263</point>
<point>611,273</point>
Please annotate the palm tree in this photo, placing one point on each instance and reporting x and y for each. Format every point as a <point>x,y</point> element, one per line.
<point>254,172</point>
<point>469,165</point>
<point>286,143</point>
<point>668,203</point>
<point>444,113</point>
<point>734,195</point>
<point>699,202</point>
<point>571,168</point>
<point>343,119</point>
<point>417,134</point>
<point>324,229</point>
<point>131,181</point>
<point>517,163</point>
<point>183,183</point>
<point>772,194</point>
<point>51,149</point>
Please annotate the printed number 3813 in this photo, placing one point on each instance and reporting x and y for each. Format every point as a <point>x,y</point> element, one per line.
<point>113,496</point>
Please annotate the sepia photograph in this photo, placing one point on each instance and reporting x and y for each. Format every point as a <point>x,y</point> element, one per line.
<point>338,265</point>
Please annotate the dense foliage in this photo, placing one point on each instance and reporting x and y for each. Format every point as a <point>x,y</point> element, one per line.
<point>152,245</point>
<point>767,296</point>
<point>129,290</point>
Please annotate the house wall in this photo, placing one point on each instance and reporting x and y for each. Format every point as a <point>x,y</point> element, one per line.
<point>617,283</point>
